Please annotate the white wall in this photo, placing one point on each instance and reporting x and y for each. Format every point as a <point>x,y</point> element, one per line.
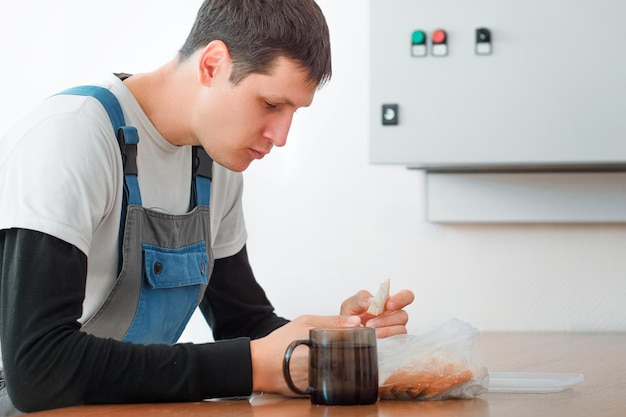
<point>323,222</point>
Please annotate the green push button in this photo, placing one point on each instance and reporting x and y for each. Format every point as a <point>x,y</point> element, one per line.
<point>419,37</point>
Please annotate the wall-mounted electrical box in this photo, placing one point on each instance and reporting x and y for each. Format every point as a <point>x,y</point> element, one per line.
<point>500,86</point>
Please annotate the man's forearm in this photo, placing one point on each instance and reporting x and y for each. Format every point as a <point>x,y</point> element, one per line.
<point>50,363</point>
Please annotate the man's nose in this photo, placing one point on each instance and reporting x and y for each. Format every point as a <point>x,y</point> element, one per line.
<point>279,130</point>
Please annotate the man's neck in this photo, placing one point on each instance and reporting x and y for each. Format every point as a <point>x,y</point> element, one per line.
<point>166,97</point>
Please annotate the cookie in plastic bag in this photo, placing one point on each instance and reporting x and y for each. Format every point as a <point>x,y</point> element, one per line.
<point>436,365</point>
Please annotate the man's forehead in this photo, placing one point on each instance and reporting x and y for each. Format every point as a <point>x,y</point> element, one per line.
<point>287,83</point>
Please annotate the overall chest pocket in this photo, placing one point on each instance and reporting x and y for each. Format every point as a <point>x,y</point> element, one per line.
<point>173,279</point>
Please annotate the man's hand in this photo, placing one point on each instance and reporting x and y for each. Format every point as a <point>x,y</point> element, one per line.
<point>391,322</point>
<point>269,351</point>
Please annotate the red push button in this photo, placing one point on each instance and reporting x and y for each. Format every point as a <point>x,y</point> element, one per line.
<point>439,42</point>
<point>439,36</point>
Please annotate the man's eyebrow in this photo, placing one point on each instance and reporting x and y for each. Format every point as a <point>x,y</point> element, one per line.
<point>287,101</point>
<point>280,100</point>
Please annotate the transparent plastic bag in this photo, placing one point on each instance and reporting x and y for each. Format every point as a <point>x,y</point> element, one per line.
<point>436,365</point>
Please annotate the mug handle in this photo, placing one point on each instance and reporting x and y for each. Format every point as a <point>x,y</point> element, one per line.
<point>286,361</point>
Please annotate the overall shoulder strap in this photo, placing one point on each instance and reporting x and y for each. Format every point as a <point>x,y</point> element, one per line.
<point>127,138</point>
<point>202,175</point>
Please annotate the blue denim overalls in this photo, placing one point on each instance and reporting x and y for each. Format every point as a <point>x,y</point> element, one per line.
<point>165,259</point>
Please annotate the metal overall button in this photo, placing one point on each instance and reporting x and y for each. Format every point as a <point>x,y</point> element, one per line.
<point>202,268</point>
<point>158,267</point>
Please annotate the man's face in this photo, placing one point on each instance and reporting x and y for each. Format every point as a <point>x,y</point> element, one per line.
<point>237,124</point>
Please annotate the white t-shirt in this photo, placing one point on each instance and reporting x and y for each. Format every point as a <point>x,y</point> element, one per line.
<point>61,174</point>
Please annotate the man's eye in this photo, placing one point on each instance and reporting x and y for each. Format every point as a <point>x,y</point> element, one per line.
<point>271,105</point>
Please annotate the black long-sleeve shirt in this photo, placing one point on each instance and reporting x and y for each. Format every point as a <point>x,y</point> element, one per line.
<point>49,363</point>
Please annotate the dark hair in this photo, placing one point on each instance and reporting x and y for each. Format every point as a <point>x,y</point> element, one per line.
<point>257,32</point>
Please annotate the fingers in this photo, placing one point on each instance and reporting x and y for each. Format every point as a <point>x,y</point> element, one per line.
<point>389,319</point>
<point>357,304</point>
<point>400,300</point>
<point>382,332</point>
<point>393,321</point>
<point>329,321</point>
<point>360,302</point>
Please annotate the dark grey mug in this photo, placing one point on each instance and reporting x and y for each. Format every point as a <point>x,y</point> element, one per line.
<point>343,366</point>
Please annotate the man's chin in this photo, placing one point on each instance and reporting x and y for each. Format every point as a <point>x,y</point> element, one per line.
<point>237,167</point>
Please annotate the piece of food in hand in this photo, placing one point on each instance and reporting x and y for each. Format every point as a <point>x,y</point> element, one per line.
<point>377,306</point>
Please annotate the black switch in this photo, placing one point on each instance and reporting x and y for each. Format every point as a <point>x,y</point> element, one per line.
<point>390,114</point>
<point>483,41</point>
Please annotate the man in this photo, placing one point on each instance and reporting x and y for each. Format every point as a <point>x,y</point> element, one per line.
<point>103,258</point>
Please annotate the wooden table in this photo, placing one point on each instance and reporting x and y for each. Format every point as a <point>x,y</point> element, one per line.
<point>600,357</point>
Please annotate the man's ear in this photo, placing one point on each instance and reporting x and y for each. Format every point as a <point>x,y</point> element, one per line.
<point>214,61</point>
